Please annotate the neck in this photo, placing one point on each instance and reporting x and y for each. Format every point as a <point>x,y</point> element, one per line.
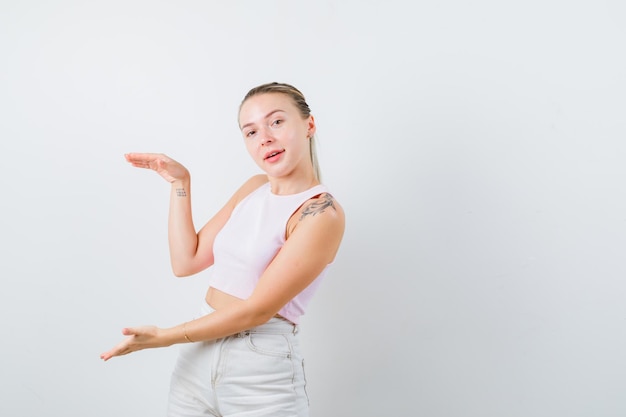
<point>286,186</point>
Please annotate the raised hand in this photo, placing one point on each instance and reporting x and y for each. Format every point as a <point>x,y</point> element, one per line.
<point>163,165</point>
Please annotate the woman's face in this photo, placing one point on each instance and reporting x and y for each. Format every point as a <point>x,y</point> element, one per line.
<point>276,135</point>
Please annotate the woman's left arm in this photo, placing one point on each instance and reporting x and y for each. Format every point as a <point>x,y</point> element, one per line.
<point>310,247</point>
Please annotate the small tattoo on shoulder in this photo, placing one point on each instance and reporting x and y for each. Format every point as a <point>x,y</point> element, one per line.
<point>180,192</point>
<point>319,206</point>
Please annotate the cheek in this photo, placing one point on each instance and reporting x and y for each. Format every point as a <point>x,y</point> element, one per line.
<point>250,148</point>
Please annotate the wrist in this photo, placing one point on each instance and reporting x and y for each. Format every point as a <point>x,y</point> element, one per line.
<point>186,336</point>
<point>173,336</point>
<point>181,182</point>
<point>181,188</point>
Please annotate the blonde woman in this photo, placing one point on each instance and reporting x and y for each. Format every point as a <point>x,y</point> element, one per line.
<point>268,248</point>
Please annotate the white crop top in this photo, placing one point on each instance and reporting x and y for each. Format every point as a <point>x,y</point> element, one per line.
<point>249,241</point>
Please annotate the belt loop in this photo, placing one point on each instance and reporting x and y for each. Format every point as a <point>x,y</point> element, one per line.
<point>295,329</point>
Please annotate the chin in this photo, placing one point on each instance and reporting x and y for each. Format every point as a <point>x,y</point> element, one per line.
<point>276,173</point>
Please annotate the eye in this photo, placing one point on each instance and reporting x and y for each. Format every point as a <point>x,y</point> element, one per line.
<point>277,122</point>
<point>250,133</point>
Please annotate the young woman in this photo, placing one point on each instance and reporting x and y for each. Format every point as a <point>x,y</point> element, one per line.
<point>268,247</point>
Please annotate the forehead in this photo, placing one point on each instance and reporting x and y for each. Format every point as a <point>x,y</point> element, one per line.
<point>257,107</point>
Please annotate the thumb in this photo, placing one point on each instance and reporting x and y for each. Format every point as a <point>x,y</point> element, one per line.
<point>129,331</point>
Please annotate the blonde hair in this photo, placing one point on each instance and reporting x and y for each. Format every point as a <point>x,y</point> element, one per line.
<point>302,106</point>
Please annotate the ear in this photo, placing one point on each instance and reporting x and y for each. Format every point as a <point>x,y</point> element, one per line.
<point>311,126</point>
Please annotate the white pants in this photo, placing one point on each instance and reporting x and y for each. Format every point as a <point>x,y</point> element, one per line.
<point>255,373</point>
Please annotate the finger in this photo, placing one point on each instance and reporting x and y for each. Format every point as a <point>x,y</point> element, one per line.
<point>142,160</point>
<point>130,331</point>
<point>114,352</point>
<point>139,155</point>
<point>134,156</point>
<point>110,354</point>
<point>138,162</point>
<point>122,348</point>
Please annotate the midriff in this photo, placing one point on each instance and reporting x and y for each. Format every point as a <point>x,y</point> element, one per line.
<point>219,299</point>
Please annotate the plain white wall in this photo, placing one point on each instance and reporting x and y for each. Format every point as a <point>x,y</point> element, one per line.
<point>477,147</point>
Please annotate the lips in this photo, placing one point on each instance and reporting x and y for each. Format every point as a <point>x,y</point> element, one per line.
<point>272,154</point>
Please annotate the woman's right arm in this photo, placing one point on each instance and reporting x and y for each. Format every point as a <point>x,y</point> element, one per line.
<point>190,252</point>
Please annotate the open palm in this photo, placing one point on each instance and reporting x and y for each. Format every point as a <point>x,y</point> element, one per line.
<point>163,165</point>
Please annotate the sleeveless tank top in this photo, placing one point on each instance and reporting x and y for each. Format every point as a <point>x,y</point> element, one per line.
<point>249,241</point>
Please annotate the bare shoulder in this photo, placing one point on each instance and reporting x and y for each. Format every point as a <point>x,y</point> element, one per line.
<point>322,213</point>
<point>323,205</point>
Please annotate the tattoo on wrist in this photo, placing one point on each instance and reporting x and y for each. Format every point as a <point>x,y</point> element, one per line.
<point>318,206</point>
<point>180,192</point>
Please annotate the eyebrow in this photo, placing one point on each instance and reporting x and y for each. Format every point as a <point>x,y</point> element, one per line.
<point>266,116</point>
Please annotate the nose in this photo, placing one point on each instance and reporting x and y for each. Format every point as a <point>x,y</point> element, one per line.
<point>266,137</point>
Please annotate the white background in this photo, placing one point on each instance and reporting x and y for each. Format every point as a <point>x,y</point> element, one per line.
<point>477,147</point>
